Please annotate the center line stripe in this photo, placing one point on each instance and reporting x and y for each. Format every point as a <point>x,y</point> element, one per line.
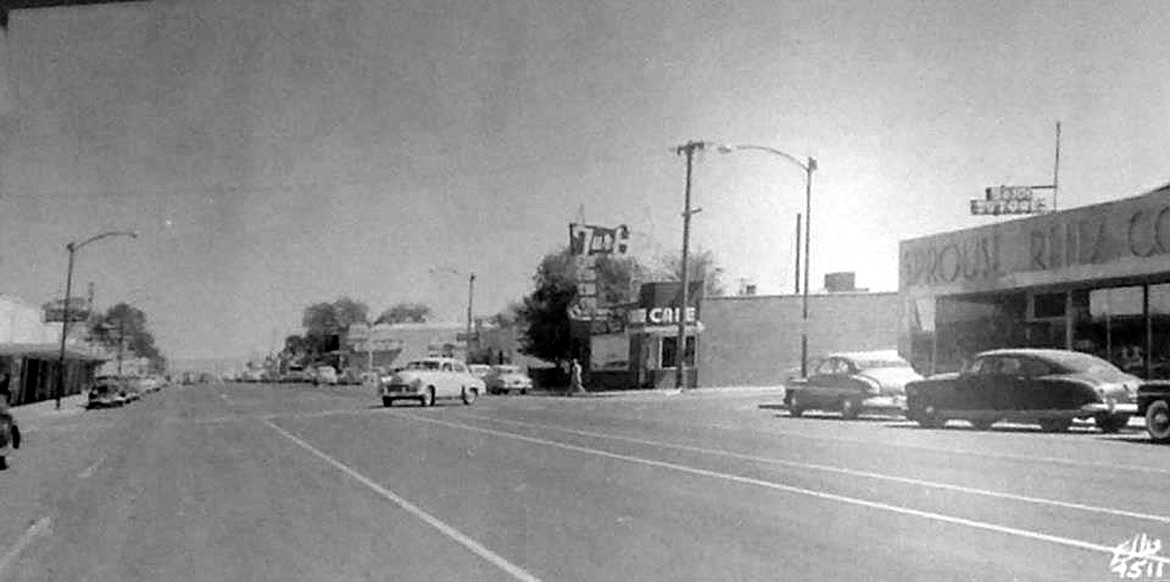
<point>492,557</point>
<point>1069,542</point>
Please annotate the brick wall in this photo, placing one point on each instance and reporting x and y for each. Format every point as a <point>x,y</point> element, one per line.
<point>755,341</point>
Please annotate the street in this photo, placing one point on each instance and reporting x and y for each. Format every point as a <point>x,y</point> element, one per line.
<point>266,482</point>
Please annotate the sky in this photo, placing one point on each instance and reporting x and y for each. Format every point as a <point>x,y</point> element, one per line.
<point>278,153</point>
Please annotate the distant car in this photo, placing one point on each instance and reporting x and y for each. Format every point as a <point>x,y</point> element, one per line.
<point>479,370</point>
<point>431,379</point>
<point>349,376</point>
<point>853,383</point>
<point>325,375</point>
<point>296,376</point>
<point>504,379</point>
<point>106,392</point>
<point>1048,387</point>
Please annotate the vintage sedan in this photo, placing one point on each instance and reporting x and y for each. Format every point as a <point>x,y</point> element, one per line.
<point>505,379</point>
<point>853,383</point>
<point>1047,387</point>
<point>429,379</point>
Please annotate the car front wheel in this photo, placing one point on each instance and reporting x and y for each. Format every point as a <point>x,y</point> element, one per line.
<point>795,408</point>
<point>1158,421</point>
<point>469,395</point>
<point>387,401</point>
<point>928,418</point>
<point>850,410</point>
<point>428,397</point>
<point>1110,423</point>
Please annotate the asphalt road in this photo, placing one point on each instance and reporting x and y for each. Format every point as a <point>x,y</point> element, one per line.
<point>254,482</point>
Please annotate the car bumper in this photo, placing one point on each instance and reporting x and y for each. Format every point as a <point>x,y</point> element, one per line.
<point>895,403</point>
<point>1110,407</point>
<point>395,390</point>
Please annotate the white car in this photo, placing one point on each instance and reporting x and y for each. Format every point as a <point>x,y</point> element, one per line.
<point>505,379</point>
<point>431,379</point>
<point>325,375</point>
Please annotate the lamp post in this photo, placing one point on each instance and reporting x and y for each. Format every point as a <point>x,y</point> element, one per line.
<point>73,247</point>
<point>809,166</point>
<point>470,300</point>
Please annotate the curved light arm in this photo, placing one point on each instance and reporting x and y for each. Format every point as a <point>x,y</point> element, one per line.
<point>73,246</point>
<point>809,166</point>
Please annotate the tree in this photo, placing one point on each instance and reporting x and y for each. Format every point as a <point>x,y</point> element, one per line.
<point>509,316</point>
<point>405,313</point>
<point>544,315</point>
<point>701,267</point>
<point>326,324</point>
<point>124,327</point>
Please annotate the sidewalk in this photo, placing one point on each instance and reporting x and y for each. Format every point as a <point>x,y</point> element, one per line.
<point>37,412</point>
<point>719,390</point>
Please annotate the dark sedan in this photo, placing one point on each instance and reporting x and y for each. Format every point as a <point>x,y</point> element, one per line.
<point>1048,387</point>
<point>853,383</point>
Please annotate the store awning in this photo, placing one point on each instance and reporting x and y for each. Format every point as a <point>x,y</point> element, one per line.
<point>48,352</point>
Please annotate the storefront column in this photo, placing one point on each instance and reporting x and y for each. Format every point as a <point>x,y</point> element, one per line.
<point>1069,323</point>
<point>1149,355</point>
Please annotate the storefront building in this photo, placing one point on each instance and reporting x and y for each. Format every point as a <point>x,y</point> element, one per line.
<point>1094,279</point>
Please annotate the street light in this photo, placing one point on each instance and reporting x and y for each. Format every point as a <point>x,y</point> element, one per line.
<point>470,299</point>
<point>809,167</point>
<point>73,247</point>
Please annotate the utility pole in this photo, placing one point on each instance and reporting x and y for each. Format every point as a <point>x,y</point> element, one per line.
<point>689,150</point>
<point>796,279</point>
<point>470,298</point>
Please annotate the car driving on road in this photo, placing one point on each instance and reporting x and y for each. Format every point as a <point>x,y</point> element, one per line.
<point>505,379</point>
<point>430,379</point>
<point>1047,387</point>
<point>853,383</point>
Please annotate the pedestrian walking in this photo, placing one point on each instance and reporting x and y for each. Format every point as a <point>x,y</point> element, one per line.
<point>575,386</point>
<point>9,432</point>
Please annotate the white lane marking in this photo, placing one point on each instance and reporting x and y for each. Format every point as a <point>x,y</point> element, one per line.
<point>88,472</point>
<point>838,469</point>
<point>944,450</point>
<point>492,557</point>
<point>1069,542</point>
<point>41,526</point>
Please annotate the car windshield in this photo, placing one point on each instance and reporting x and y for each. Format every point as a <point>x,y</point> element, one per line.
<point>422,365</point>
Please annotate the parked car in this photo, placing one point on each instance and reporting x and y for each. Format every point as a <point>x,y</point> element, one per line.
<point>479,370</point>
<point>325,375</point>
<point>349,376</point>
<point>1154,405</point>
<point>296,376</point>
<point>1048,387</point>
<point>430,379</point>
<point>853,383</point>
<point>106,392</point>
<point>505,379</point>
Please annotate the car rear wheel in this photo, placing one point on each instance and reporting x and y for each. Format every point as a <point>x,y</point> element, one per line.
<point>850,410</point>
<point>1158,421</point>
<point>428,397</point>
<point>1110,423</point>
<point>1055,424</point>
<point>387,401</point>
<point>469,395</point>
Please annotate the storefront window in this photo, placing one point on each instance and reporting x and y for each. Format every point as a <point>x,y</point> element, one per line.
<point>1159,331</point>
<point>1116,329</point>
<point>670,352</point>
<point>969,325</point>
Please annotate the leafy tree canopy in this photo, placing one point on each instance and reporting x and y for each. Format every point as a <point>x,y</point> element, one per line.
<point>406,312</point>
<point>702,266</point>
<point>126,324</point>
